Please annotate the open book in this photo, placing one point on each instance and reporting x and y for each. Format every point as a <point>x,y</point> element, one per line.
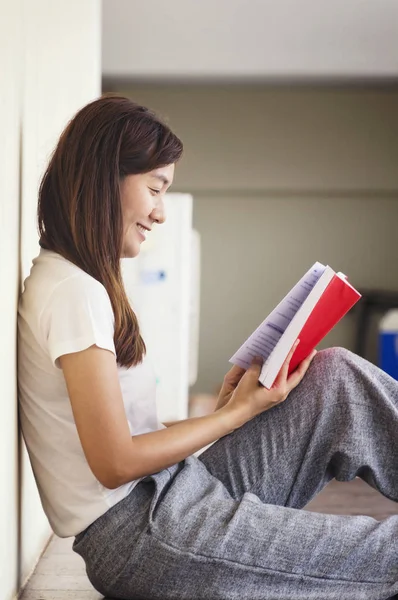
<point>309,311</point>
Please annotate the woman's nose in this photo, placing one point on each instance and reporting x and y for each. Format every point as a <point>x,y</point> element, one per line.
<point>159,212</point>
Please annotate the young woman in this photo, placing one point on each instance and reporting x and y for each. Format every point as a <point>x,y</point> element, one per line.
<point>150,518</point>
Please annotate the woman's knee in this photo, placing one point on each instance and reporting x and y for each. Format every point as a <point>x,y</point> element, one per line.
<point>331,362</point>
<point>335,354</point>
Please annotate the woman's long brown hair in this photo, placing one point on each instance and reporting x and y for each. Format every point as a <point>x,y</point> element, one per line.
<point>79,207</point>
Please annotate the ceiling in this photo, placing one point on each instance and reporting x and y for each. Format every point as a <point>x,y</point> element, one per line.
<point>250,40</point>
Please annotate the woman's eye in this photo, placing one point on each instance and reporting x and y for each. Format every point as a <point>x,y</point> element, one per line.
<point>155,191</point>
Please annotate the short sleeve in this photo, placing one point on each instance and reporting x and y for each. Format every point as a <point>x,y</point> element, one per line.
<point>77,315</point>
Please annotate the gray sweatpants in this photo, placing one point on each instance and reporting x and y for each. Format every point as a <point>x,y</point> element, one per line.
<point>227,525</point>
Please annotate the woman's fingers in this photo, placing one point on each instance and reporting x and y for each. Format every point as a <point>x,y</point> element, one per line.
<point>298,374</point>
<point>234,375</point>
<point>282,375</point>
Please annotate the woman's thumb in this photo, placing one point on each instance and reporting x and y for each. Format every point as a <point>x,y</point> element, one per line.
<point>252,373</point>
<point>257,363</point>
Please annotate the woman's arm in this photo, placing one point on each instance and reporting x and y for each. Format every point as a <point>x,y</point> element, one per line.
<point>112,454</point>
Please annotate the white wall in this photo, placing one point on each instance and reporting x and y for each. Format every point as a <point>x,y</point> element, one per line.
<point>250,39</point>
<point>10,100</point>
<point>51,68</point>
<point>281,178</point>
<point>62,73</point>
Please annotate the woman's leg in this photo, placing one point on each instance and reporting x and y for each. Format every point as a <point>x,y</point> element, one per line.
<point>214,528</point>
<point>341,421</point>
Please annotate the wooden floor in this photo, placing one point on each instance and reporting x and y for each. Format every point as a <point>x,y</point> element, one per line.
<point>60,574</point>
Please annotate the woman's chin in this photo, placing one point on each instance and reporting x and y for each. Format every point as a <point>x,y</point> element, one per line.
<point>131,251</point>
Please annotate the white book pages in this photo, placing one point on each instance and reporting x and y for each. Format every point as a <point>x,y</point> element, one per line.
<point>273,364</point>
<point>265,338</point>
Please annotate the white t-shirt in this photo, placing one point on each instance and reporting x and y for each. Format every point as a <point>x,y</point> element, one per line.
<point>63,310</point>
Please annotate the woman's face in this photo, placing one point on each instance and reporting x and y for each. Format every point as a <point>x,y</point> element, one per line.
<point>142,204</point>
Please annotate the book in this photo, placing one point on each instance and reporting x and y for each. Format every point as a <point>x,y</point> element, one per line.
<point>309,311</point>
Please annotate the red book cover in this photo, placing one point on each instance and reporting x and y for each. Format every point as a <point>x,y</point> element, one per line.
<point>334,303</point>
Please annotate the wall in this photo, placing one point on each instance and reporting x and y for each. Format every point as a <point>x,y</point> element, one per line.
<point>256,40</point>
<point>282,178</point>
<point>10,69</point>
<point>62,73</point>
<point>51,68</point>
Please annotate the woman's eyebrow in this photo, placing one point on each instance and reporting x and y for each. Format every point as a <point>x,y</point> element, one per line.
<point>162,178</point>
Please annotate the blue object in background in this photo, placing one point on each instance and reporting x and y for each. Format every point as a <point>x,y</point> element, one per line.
<point>153,276</point>
<point>388,343</point>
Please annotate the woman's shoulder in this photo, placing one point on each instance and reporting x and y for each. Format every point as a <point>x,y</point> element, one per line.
<point>52,277</point>
<point>63,309</point>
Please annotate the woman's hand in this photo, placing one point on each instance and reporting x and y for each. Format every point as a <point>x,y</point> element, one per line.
<point>230,382</point>
<point>247,397</point>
